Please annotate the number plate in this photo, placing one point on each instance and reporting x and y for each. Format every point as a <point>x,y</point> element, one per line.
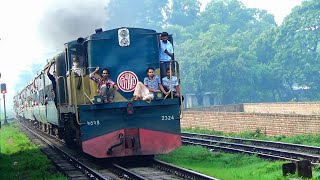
<point>93,123</point>
<point>167,118</point>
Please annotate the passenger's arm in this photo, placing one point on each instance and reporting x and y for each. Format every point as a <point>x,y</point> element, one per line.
<point>91,75</point>
<point>116,87</point>
<point>162,89</point>
<point>96,70</point>
<point>169,54</point>
<point>152,90</point>
<point>48,70</point>
<point>169,51</point>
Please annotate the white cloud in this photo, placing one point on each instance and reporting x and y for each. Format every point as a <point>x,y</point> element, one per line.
<point>18,45</point>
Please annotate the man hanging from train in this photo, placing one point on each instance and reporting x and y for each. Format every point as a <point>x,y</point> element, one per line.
<point>106,87</point>
<point>54,83</point>
<point>166,53</point>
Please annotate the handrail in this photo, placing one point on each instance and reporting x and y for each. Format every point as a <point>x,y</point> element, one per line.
<point>180,88</point>
<point>88,98</point>
<point>170,69</point>
<point>84,99</point>
<point>177,70</point>
<point>73,81</point>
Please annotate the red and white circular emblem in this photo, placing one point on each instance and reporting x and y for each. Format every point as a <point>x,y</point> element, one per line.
<point>127,81</point>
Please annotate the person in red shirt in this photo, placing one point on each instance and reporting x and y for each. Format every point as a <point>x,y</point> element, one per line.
<point>106,87</point>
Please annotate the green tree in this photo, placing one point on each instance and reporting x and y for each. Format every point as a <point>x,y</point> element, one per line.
<point>217,56</point>
<point>138,13</point>
<point>298,51</point>
<point>182,12</point>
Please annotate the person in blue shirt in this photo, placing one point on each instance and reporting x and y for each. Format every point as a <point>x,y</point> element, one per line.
<point>171,83</point>
<point>166,53</point>
<point>150,84</point>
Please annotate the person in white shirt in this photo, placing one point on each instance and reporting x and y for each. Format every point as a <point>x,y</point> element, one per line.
<point>75,68</point>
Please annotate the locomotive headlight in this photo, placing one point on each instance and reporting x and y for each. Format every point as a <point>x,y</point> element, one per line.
<point>124,42</point>
<point>123,33</point>
<point>124,37</point>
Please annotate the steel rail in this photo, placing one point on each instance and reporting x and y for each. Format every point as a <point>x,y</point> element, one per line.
<point>86,170</point>
<point>296,147</point>
<point>182,172</point>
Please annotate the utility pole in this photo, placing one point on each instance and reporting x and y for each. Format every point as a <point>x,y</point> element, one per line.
<point>4,91</point>
<point>4,109</point>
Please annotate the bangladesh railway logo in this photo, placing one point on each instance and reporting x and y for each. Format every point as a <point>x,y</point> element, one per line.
<point>127,81</point>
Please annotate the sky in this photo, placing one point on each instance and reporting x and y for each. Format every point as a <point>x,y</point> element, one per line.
<point>26,30</point>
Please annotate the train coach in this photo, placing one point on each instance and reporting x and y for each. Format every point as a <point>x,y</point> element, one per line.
<point>71,109</point>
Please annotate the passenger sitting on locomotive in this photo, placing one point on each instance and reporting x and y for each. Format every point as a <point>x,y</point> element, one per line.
<point>53,81</point>
<point>166,53</point>
<point>174,84</point>
<point>150,84</point>
<point>106,87</point>
<point>75,68</point>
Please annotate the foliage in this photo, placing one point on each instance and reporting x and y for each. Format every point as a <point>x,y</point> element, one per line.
<point>297,50</point>
<point>139,13</point>
<point>237,52</point>
<point>182,12</point>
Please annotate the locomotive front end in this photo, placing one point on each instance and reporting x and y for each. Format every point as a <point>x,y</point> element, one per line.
<point>124,127</point>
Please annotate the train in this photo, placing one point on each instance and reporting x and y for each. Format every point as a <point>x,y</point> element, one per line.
<point>72,110</point>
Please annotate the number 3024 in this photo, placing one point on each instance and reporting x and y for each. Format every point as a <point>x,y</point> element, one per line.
<point>167,118</point>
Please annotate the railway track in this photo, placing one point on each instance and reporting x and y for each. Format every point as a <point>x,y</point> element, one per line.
<point>156,169</point>
<point>264,149</point>
<point>64,161</point>
<point>76,165</point>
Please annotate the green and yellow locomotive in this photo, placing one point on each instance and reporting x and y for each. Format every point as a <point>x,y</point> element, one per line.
<point>71,108</point>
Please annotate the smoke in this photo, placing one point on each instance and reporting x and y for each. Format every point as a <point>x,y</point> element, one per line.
<point>64,21</point>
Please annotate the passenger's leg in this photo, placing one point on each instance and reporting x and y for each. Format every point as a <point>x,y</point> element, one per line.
<point>103,92</point>
<point>110,94</point>
<point>163,69</point>
<point>173,68</point>
<point>137,91</point>
<point>140,91</point>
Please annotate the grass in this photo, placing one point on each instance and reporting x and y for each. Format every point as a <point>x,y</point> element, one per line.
<point>226,166</point>
<point>306,139</point>
<point>21,159</point>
